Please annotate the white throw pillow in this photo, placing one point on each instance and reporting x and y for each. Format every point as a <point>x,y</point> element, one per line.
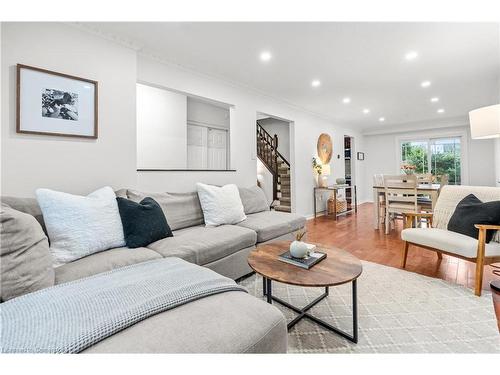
<point>220,205</point>
<point>79,226</point>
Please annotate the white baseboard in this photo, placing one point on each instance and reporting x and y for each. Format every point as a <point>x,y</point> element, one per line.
<point>322,213</point>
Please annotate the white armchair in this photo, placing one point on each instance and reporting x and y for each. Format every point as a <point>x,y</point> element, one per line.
<point>439,239</point>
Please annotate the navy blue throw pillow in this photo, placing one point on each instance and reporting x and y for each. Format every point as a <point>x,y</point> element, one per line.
<point>471,211</point>
<point>143,223</point>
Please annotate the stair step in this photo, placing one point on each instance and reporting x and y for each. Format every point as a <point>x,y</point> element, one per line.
<point>285,200</point>
<point>285,189</point>
<point>285,176</point>
<point>283,208</point>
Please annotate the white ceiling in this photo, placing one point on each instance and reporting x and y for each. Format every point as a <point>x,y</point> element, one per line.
<point>364,61</point>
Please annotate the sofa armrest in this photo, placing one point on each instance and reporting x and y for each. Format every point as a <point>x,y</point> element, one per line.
<point>409,217</point>
<point>487,227</point>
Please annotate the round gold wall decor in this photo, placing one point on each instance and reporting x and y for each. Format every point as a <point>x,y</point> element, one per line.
<point>325,148</point>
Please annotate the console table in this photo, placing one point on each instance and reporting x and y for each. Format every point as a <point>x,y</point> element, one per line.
<point>352,197</point>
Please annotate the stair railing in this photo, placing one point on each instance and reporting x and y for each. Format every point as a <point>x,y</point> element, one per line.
<point>267,152</point>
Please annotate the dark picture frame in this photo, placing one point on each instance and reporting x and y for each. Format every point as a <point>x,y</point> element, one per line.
<point>28,129</point>
<point>361,156</point>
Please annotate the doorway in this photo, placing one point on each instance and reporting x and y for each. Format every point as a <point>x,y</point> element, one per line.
<point>274,167</point>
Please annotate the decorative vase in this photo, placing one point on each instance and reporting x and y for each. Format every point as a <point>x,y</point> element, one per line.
<point>322,181</point>
<point>298,249</point>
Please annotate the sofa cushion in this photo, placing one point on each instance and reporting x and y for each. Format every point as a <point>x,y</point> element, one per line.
<point>102,262</point>
<point>471,211</point>
<point>220,204</point>
<point>182,210</point>
<point>449,197</point>
<point>272,224</point>
<point>253,199</point>
<point>143,222</point>
<point>203,245</point>
<point>26,262</point>
<point>28,206</point>
<point>231,322</point>
<point>80,225</point>
<point>448,241</point>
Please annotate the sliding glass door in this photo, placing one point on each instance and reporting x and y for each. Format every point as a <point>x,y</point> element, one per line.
<point>435,155</point>
<point>445,158</point>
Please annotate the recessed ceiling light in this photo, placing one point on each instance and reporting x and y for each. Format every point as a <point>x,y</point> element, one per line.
<point>440,110</point>
<point>366,111</point>
<point>346,100</point>
<point>265,56</point>
<point>381,119</point>
<point>435,99</point>
<point>412,55</point>
<point>425,83</point>
<point>316,83</point>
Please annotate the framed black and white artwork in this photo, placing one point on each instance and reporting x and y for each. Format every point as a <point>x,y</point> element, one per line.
<point>52,103</point>
<point>361,156</point>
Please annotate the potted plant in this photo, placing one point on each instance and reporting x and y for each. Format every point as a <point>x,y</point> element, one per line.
<point>298,248</point>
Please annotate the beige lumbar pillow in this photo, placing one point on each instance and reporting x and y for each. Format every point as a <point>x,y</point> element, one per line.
<point>26,262</point>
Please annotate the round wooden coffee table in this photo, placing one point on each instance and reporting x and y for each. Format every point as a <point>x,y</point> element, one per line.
<point>338,268</point>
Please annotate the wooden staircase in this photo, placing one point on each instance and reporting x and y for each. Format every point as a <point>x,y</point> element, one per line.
<point>267,152</point>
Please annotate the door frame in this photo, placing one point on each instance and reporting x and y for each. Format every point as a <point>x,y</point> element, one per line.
<point>291,137</point>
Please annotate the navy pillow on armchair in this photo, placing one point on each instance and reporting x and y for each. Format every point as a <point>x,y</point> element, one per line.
<point>471,211</point>
<point>143,223</point>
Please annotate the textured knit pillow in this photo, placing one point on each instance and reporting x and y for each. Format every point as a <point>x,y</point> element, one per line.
<point>220,205</point>
<point>79,226</point>
<point>26,263</point>
<point>471,211</point>
<point>143,223</point>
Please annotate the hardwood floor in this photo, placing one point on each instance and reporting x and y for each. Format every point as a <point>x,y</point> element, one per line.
<point>355,233</point>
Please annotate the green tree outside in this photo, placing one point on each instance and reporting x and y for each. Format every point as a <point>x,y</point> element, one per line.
<point>445,158</point>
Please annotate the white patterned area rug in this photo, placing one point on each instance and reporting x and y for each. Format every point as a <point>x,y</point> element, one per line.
<point>399,312</point>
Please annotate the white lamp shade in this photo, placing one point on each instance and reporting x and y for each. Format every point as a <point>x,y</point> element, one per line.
<point>485,122</point>
<point>325,170</point>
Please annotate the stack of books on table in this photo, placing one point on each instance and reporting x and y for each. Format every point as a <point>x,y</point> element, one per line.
<point>313,258</point>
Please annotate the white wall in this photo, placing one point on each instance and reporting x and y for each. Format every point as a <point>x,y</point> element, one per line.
<point>497,161</point>
<point>246,105</point>
<point>382,157</point>
<point>80,166</point>
<point>161,128</point>
<point>282,130</point>
<point>69,164</point>
<point>207,114</point>
<point>266,180</point>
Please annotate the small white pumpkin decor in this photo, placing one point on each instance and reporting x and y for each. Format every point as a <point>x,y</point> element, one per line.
<point>299,249</point>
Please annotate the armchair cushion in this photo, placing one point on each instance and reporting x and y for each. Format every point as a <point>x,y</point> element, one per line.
<point>451,242</point>
<point>471,211</point>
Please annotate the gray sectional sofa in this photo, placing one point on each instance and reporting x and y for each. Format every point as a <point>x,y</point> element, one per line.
<point>227,322</point>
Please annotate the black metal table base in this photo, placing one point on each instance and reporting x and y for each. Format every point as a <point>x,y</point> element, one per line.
<point>302,312</point>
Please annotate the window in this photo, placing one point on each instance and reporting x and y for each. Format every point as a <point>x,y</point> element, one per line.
<point>435,155</point>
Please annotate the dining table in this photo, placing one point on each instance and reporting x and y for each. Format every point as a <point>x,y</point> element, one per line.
<point>430,190</point>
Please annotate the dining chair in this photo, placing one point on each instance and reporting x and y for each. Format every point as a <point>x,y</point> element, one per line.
<point>424,178</point>
<point>378,180</point>
<point>400,197</point>
<point>426,202</point>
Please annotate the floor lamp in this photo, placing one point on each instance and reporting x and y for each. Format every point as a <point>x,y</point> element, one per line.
<point>485,124</point>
